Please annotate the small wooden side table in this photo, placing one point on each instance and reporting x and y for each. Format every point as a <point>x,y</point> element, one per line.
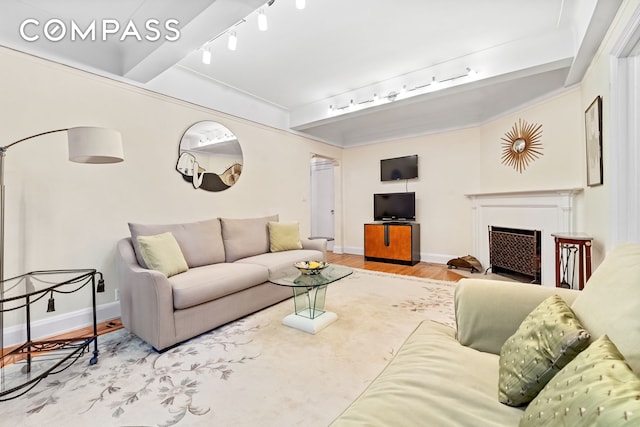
<point>566,246</point>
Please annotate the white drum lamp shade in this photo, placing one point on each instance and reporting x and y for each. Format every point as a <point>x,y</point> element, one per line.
<point>95,145</point>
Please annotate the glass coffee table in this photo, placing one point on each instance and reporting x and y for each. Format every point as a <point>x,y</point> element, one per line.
<point>309,293</point>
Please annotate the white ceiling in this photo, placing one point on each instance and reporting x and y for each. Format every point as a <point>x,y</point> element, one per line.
<point>333,52</point>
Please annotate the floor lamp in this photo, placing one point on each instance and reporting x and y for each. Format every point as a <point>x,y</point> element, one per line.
<point>86,145</point>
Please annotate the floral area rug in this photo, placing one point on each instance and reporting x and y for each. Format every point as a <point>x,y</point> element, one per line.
<point>254,371</point>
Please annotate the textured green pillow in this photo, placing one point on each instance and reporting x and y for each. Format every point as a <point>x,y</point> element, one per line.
<point>548,338</point>
<point>284,236</point>
<point>161,252</point>
<point>597,389</point>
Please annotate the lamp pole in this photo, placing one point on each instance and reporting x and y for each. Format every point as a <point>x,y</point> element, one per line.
<point>86,145</point>
<point>3,151</point>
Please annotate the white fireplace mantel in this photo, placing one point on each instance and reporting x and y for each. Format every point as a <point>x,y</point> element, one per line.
<point>550,211</point>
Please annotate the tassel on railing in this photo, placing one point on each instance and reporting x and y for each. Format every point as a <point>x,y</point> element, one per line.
<point>51,305</point>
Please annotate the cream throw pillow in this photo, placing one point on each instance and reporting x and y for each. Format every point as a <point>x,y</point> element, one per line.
<point>548,338</point>
<point>284,236</point>
<point>596,389</point>
<point>161,252</point>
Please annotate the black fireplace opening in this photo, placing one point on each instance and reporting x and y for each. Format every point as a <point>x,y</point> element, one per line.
<point>515,253</point>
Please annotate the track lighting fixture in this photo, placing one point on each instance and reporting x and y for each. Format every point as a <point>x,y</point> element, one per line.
<point>404,92</point>
<point>206,56</point>
<point>232,44</point>
<point>262,21</point>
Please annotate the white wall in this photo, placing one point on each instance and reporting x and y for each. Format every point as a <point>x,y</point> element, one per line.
<point>562,164</point>
<point>448,167</point>
<point>456,163</point>
<point>66,215</point>
<point>597,82</point>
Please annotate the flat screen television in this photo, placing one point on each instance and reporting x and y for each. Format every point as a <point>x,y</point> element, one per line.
<point>399,168</point>
<point>394,206</point>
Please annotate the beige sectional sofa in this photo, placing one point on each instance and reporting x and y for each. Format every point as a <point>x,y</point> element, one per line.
<point>227,268</point>
<point>447,377</point>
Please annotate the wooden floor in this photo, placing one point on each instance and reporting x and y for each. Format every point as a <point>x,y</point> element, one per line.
<point>422,269</point>
<point>103,328</point>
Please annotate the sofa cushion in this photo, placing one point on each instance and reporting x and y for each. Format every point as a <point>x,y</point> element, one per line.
<point>162,253</point>
<point>433,381</point>
<point>210,282</point>
<point>610,301</point>
<point>245,237</point>
<point>200,242</point>
<point>488,312</point>
<point>284,236</point>
<point>274,261</point>
<point>596,389</point>
<point>548,338</point>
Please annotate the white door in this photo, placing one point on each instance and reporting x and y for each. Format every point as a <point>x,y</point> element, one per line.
<point>322,199</point>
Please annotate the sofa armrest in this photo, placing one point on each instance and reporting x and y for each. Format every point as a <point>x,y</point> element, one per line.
<point>316,244</point>
<point>488,312</point>
<point>146,299</point>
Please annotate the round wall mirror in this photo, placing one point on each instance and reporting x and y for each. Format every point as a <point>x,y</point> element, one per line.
<point>519,145</point>
<point>210,157</point>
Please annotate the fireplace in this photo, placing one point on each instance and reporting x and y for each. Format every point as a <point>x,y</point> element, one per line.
<point>515,251</point>
<point>549,211</point>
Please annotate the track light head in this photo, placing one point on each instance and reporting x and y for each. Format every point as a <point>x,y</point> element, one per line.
<point>206,56</point>
<point>233,41</point>
<point>263,25</point>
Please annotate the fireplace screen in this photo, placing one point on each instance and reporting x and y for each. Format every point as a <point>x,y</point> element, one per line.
<point>515,251</point>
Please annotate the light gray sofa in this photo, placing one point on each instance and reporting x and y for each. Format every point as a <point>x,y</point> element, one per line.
<point>228,260</point>
<point>447,377</point>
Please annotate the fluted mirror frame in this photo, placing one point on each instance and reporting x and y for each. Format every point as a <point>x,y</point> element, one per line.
<point>522,145</point>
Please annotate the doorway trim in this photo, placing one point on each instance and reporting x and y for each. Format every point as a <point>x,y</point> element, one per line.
<point>624,146</point>
<point>334,192</point>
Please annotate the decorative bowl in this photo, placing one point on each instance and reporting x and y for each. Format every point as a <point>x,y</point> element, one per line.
<point>311,267</point>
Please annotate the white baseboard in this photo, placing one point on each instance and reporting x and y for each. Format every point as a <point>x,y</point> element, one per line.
<point>353,250</point>
<point>337,249</point>
<point>436,258</point>
<point>60,324</point>
<point>424,257</point>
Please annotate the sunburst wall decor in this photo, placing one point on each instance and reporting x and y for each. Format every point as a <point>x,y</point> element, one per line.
<point>521,145</point>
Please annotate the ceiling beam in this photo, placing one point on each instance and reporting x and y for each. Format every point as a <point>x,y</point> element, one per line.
<point>214,20</point>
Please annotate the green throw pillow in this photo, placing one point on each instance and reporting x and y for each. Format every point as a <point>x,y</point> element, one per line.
<point>596,389</point>
<point>548,338</point>
<point>161,252</point>
<point>284,236</point>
